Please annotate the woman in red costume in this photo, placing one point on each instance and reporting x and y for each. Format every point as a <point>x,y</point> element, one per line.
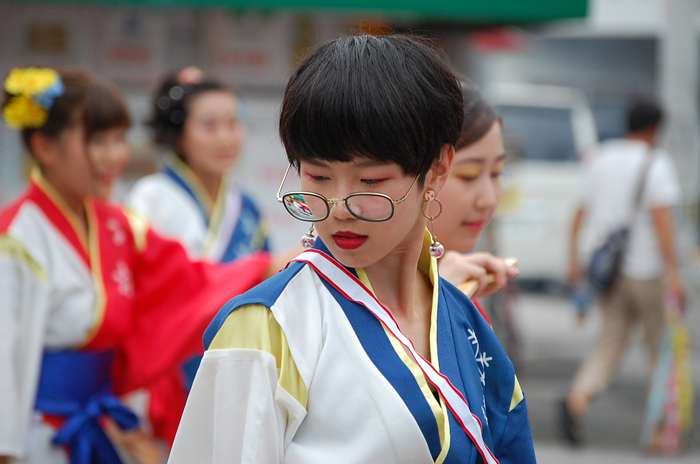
<point>93,303</point>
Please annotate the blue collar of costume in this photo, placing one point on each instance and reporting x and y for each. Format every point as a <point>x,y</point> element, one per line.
<point>171,170</point>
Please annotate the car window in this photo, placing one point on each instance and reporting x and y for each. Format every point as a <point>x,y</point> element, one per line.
<point>541,133</point>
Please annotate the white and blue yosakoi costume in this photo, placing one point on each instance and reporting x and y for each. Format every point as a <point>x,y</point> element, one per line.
<point>88,317</point>
<point>176,205</point>
<point>295,372</point>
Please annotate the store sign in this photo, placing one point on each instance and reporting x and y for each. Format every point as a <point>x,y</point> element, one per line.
<point>250,49</point>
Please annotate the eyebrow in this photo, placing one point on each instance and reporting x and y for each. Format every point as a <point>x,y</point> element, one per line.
<point>479,160</point>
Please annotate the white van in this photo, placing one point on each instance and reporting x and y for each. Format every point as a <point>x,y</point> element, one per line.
<point>548,131</point>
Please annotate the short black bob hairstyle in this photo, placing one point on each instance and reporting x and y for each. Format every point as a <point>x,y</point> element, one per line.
<point>387,98</point>
<point>643,113</point>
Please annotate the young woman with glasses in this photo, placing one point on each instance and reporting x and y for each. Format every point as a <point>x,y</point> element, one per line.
<point>359,351</point>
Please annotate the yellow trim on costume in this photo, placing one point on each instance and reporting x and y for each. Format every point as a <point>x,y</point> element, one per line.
<point>254,327</point>
<point>517,395</point>
<point>427,265</point>
<point>217,214</point>
<point>96,265</point>
<point>38,177</point>
<point>11,246</point>
<point>139,228</point>
<point>184,171</point>
<point>260,235</point>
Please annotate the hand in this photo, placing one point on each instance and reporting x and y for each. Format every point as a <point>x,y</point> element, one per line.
<point>574,276</point>
<point>136,444</point>
<point>458,268</point>
<point>675,287</point>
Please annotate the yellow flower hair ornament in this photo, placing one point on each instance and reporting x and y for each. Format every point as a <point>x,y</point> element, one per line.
<point>33,91</point>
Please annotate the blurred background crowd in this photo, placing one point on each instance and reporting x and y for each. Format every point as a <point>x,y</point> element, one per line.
<point>561,73</point>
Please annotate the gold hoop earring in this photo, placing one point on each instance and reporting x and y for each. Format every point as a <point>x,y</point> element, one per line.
<point>436,249</point>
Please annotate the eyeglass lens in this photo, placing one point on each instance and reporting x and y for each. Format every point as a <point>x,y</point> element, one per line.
<point>308,207</point>
<point>372,207</point>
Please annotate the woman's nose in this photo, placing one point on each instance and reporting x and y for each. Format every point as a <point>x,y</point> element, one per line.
<point>339,209</point>
<point>487,198</point>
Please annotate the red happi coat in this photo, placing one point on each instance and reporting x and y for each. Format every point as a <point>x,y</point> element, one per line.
<point>122,288</point>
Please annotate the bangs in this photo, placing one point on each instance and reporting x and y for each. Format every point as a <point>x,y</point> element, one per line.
<point>105,108</point>
<point>479,115</point>
<point>389,99</point>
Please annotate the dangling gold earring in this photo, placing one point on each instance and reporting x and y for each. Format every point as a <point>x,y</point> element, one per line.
<point>308,240</point>
<point>436,249</point>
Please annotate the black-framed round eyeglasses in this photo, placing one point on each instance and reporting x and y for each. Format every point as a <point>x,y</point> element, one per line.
<point>314,207</point>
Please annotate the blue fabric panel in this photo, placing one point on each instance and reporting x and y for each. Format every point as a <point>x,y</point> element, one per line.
<point>170,172</point>
<point>75,385</point>
<point>74,376</point>
<point>496,390</point>
<point>265,293</point>
<point>371,334</point>
<point>462,450</point>
<point>516,445</point>
<point>244,234</point>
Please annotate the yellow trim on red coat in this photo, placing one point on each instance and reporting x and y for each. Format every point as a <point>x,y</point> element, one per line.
<point>97,277</point>
<point>38,178</point>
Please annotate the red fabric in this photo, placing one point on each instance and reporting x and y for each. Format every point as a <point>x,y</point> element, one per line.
<point>482,311</point>
<point>167,402</point>
<point>175,300</point>
<point>56,216</point>
<point>156,302</point>
<point>8,213</point>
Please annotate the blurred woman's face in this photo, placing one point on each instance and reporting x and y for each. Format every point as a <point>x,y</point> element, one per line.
<point>108,152</point>
<point>213,134</point>
<point>472,192</point>
<point>67,167</point>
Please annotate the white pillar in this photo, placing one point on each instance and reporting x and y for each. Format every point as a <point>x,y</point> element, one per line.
<point>678,89</point>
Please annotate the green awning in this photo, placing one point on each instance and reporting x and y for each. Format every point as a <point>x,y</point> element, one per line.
<point>458,10</point>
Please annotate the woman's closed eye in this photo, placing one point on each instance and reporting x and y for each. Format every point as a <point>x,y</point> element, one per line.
<point>373,182</point>
<point>317,178</point>
<point>467,175</point>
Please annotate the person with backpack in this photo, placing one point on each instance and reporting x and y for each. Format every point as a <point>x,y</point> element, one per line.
<point>628,194</point>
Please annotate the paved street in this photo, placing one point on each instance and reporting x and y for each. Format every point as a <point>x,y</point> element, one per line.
<point>553,347</point>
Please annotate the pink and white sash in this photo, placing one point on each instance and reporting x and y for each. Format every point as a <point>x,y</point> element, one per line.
<point>354,290</point>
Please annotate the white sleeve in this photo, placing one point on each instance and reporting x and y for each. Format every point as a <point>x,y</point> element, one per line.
<point>587,185</point>
<point>662,187</point>
<point>140,199</point>
<point>161,203</point>
<point>247,400</point>
<point>24,299</point>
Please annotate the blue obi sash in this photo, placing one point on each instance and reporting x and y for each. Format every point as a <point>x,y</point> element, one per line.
<point>76,385</point>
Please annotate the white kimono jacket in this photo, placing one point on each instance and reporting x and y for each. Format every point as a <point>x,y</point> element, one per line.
<point>296,373</point>
<point>176,205</point>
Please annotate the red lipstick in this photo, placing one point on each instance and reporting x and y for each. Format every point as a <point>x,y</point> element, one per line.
<point>476,226</point>
<point>346,240</point>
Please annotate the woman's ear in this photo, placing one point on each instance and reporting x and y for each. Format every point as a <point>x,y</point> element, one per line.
<point>440,170</point>
<point>43,148</point>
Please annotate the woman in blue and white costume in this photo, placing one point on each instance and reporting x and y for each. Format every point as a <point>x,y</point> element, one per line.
<point>359,352</point>
<point>193,198</point>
